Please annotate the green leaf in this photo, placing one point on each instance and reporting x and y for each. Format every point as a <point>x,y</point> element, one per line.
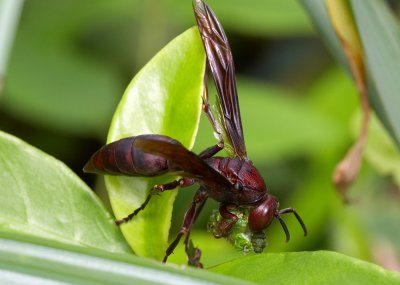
<point>321,267</point>
<point>41,197</point>
<point>26,261</point>
<point>380,34</point>
<point>163,98</point>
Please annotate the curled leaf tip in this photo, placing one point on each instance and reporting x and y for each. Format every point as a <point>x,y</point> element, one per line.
<point>343,22</point>
<point>347,170</point>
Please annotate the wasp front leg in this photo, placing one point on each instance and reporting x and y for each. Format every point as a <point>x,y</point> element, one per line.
<point>182,182</point>
<point>223,227</point>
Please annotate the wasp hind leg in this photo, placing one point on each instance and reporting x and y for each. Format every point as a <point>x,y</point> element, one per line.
<point>193,254</point>
<point>183,182</point>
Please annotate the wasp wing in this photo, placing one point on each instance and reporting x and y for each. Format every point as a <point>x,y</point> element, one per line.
<point>186,161</point>
<point>220,61</point>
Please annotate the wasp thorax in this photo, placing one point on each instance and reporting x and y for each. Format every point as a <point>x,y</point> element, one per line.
<point>263,213</point>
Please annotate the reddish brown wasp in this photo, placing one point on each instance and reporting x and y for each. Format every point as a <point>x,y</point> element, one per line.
<point>232,181</point>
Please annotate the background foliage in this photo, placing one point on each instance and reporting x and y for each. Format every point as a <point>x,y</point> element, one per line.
<point>71,61</point>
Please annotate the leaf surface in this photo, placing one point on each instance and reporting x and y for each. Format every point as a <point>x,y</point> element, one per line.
<point>42,197</point>
<point>320,267</point>
<point>163,98</point>
<point>27,261</point>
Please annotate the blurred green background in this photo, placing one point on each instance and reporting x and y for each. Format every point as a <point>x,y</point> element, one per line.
<point>71,61</point>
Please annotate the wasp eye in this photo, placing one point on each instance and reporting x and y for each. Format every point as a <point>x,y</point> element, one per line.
<point>263,213</point>
<point>238,186</point>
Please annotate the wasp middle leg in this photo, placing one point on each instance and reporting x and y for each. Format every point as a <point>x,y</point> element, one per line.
<point>182,182</point>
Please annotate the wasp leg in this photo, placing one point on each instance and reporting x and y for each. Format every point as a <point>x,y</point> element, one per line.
<point>209,152</point>
<point>193,253</point>
<point>190,217</point>
<point>226,223</point>
<point>183,182</point>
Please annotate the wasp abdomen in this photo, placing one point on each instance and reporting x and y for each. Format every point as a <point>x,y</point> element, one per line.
<point>123,158</point>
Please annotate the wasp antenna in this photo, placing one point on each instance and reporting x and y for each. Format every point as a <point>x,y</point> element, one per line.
<point>291,210</point>
<point>285,229</point>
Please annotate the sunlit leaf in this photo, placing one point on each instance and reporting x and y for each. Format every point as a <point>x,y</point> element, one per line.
<point>163,98</point>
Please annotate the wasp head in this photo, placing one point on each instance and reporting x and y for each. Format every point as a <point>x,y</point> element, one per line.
<point>266,210</point>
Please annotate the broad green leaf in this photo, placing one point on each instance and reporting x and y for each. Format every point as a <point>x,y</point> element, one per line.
<point>380,34</point>
<point>321,267</point>
<point>41,197</point>
<point>26,261</point>
<point>163,98</point>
